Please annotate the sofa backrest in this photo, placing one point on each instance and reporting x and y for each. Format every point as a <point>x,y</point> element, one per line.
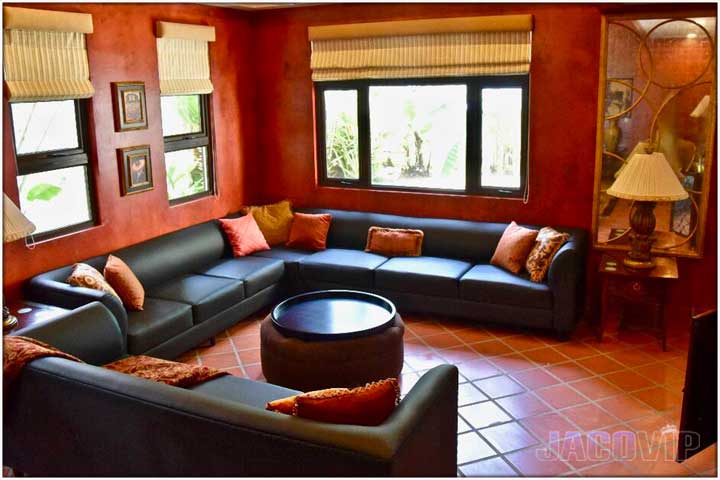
<point>174,254</point>
<point>460,239</point>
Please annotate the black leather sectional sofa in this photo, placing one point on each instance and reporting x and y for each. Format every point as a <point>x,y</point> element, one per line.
<point>196,289</point>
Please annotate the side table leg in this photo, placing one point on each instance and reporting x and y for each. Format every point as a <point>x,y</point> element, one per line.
<point>603,310</point>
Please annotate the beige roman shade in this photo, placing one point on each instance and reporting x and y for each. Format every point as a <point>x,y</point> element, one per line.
<point>493,45</point>
<point>183,61</point>
<point>45,55</point>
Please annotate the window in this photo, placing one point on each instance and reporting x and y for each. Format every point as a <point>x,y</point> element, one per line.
<point>53,171</point>
<point>188,164</point>
<point>455,135</point>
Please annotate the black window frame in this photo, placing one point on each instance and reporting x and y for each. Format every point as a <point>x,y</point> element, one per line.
<point>186,141</point>
<point>45,161</point>
<point>473,157</point>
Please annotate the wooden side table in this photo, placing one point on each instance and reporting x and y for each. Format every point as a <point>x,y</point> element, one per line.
<point>32,313</point>
<point>645,287</point>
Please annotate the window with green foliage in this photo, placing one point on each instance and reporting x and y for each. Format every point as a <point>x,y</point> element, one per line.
<point>51,149</point>
<point>188,163</point>
<point>455,135</point>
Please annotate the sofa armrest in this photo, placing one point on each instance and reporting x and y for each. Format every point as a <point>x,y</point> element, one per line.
<point>43,289</point>
<point>87,414</point>
<point>89,332</point>
<point>565,278</point>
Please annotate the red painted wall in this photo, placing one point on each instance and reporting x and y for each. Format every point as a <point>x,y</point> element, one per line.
<point>563,106</point>
<point>122,48</point>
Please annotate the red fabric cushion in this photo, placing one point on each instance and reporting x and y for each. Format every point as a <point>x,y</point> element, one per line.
<point>244,235</point>
<point>514,247</point>
<point>394,242</point>
<point>309,231</point>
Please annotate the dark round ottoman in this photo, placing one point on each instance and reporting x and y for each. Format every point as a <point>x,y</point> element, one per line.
<point>313,365</point>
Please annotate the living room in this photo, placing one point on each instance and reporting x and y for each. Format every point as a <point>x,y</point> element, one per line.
<point>162,119</point>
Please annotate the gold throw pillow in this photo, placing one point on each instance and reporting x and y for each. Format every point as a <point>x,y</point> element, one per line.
<point>547,243</point>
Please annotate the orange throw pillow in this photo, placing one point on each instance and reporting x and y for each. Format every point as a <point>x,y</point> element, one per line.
<point>244,235</point>
<point>126,284</point>
<point>514,247</point>
<point>369,405</point>
<point>309,231</point>
<point>274,221</point>
<point>394,242</point>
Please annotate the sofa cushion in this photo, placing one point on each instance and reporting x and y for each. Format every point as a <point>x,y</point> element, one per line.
<point>338,265</point>
<point>491,284</point>
<point>249,392</point>
<point>423,275</point>
<point>207,295</point>
<point>256,273</point>
<point>290,256</point>
<point>158,321</point>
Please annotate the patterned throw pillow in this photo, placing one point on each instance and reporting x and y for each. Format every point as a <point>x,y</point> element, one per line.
<point>394,242</point>
<point>83,275</point>
<point>514,247</point>
<point>369,405</point>
<point>547,244</point>
<point>274,221</point>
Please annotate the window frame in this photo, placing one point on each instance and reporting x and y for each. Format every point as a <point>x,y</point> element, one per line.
<point>186,141</point>
<point>39,162</point>
<point>473,153</point>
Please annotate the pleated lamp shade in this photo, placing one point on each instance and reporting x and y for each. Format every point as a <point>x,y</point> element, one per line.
<point>648,177</point>
<point>15,224</point>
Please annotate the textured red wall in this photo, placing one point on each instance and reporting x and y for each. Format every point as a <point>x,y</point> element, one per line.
<point>122,48</point>
<point>563,106</point>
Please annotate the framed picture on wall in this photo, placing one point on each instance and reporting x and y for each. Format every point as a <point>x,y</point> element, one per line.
<point>135,169</point>
<point>129,106</point>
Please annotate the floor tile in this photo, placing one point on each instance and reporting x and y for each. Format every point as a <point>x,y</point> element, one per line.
<point>477,369</point>
<point>472,335</point>
<point>627,380</point>
<point>610,469</point>
<point>589,417</point>
<point>659,398</point>
<point>249,356</point>
<point>243,342</point>
<point>596,388</point>
<point>523,405</point>
<point>546,356</point>
<point>600,364</point>
<point>550,427</point>
<point>499,386</point>
<point>575,350</point>
<point>580,451</point>
<point>491,348</point>
<point>561,396</point>
<point>254,372</point>
<point>221,360</point>
<point>535,378</point>
<point>459,354</point>
<point>703,461</point>
<point>569,371</point>
<point>424,361</point>
<point>472,447</point>
<point>524,342</point>
<point>508,437</point>
<point>654,430</point>
<point>537,461</point>
<point>423,329</point>
<point>633,357</point>
<point>481,415</point>
<point>442,340</point>
<point>463,426</point>
<point>468,393</point>
<point>407,381</point>
<point>513,363</point>
<point>626,407</point>
<point>492,467</point>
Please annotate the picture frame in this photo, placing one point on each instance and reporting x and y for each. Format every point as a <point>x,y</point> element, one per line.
<point>129,106</point>
<point>135,167</point>
<point>618,96</point>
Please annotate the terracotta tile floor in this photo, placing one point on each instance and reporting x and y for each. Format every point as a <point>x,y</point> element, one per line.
<point>530,405</point>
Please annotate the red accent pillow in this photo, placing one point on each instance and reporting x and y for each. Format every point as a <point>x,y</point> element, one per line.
<point>244,235</point>
<point>309,231</point>
<point>369,405</point>
<point>514,247</point>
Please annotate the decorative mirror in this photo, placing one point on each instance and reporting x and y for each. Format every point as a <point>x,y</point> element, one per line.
<point>657,94</point>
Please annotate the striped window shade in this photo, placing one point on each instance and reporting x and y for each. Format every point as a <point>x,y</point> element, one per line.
<point>463,46</point>
<point>45,56</point>
<point>183,62</point>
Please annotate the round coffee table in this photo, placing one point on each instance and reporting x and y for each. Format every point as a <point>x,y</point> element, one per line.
<point>331,338</point>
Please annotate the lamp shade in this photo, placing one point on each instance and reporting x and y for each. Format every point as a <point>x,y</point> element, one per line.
<point>15,224</point>
<point>702,107</point>
<point>648,177</point>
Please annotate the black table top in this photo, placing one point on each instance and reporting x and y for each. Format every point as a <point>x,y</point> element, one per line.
<point>333,315</point>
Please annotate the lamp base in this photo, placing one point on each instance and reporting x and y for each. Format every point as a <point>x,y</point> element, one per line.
<point>639,264</point>
<point>642,222</point>
<point>9,321</point>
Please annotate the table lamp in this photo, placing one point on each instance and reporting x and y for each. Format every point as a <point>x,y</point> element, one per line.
<point>646,178</point>
<point>15,226</point>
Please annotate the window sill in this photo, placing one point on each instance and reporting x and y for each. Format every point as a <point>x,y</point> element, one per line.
<point>414,192</point>
<point>65,235</point>
<point>178,202</point>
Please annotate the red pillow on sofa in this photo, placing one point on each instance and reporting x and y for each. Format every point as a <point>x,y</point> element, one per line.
<point>244,235</point>
<point>309,231</point>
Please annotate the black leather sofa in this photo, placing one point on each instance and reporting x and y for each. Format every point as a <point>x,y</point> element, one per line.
<point>195,289</point>
<point>63,418</point>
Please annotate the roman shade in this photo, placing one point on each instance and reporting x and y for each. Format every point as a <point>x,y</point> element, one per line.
<point>183,62</point>
<point>45,54</point>
<point>494,45</point>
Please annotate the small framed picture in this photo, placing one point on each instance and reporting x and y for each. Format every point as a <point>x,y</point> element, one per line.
<point>135,169</point>
<point>129,106</point>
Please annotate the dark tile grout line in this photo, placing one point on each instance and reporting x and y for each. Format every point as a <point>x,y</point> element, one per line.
<point>552,409</point>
